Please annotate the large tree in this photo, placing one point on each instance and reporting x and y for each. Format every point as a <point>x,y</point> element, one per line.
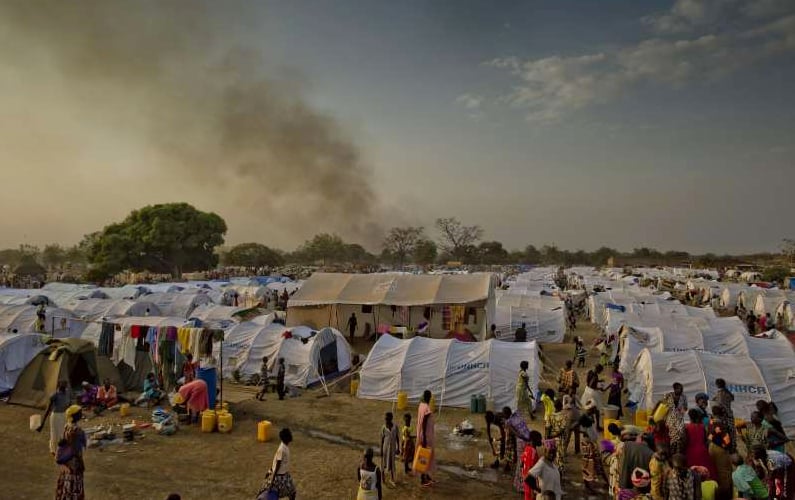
<point>171,237</point>
<point>424,252</point>
<point>400,243</point>
<point>252,255</point>
<point>456,238</point>
<point>53,256</point>
<point>491,253</point>
<point>323,247</point>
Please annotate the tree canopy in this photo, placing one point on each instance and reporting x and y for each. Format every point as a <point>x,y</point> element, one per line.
<point>171,237</point>
<point>401,242</point>
<point>457,239</point>
<point>252,255</point>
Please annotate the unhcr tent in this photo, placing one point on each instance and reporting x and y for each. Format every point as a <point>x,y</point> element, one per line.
<point>130,292</point>
<point>16,351</point>
<point>73,360</point>
<point>322,355</point>
<point>446,302</point>
<point>656,372</point>
<point>452,370</point>
<point>176,304</point>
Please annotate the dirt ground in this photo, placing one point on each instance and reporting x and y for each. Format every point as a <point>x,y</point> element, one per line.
<point>330,435</point>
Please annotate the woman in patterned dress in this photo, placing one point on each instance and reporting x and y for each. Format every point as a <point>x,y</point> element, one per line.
<point>70,458</point>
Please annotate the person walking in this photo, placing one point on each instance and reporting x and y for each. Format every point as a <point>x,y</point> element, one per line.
<point>568,381</point>
<point>524,395</point>
<point>69,457</point>
<point>280,389</point>
<point>263,379</point>
<point>352,324</point>
<point>426,436</point>
<point>390,444</point>
<point>278,478</point>
<point>56,409</point>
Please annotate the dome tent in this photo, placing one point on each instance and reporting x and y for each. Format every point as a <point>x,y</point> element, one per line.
<point>452,370</point>
<point>73,360</point>
<point>322,355</point>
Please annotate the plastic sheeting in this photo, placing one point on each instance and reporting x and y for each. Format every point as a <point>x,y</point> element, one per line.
<point>177,304</point>
<point>452,370</point>
<point>94,309</point>
<point>16,351</point>
<point>392,289</point>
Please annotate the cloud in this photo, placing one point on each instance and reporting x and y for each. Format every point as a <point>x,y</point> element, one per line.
<point>550,88</point>
<point>469,101</point>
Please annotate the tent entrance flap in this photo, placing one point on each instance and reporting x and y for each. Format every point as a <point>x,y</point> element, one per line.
<point>327,361</point>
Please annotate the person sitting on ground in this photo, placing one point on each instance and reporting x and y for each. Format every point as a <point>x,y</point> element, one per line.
<point>369,477</point>
<point>152,393</point>
<point>106,396</point>
<point>88,397</point>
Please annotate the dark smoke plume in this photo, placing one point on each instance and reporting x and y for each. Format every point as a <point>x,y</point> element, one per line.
<point>194,115</point>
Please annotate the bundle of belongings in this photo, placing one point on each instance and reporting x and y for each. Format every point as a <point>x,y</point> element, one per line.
<point>165,423</point>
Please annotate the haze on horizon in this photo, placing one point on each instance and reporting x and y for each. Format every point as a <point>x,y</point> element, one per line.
<point>667,124</point>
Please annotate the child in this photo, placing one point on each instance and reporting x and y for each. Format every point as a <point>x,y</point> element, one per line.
<point>746,481</point>
<point>407,438</point>
<point>263,379</point>
<point>390,444</point>
<point>580,352</point>
<point>529,458</point>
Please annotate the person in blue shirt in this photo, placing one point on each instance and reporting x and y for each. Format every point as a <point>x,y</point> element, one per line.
<point>152,393</point>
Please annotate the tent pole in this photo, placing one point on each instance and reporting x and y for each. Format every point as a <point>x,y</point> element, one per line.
<point>222,372</point>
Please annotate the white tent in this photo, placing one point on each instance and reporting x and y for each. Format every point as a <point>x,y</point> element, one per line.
<point>729,293</point>
<point>325,354</point>
<point>177,304</point>
<point>215,316</point>
<point>768,302</point>
<point>22,319</point>
<point>656,372</point>
<point>94,309</point>
<point>785,314</point>
<point>726,338</point>
<point>16,351</point>
<point>746,298</point>
<point>130,292</point>
<point>452,370</point>
<point>543,317</point>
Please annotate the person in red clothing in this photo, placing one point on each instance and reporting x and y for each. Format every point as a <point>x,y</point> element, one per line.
<point>697,452</point>
<point>529,458</point>
<point>106,395</point>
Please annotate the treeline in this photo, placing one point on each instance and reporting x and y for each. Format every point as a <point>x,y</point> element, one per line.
<point>175,238</point>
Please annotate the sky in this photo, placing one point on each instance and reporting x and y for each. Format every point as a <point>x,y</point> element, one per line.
<point>668,124</point>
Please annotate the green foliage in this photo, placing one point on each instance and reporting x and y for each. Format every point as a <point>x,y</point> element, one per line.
<point>10,257</point>
<point>777,274</point>
<point>53,256</point>
<point>401,242</point>
<point>322,247</point>
<point>172,237</point>
<point>425,252</point>
<point>492,253</point>
<point>252,255</point>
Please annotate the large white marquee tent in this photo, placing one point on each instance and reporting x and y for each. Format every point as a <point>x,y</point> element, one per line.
<point>452,370</point>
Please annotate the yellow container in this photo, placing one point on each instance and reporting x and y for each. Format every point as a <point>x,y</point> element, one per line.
<point>354,386</point>
<point>433,403</point>
<point>208,421</point>
<point>422,459</point>
<point>263,430</point>
<point>124,409</point>
<point>661,412</point>
<point>402,400</point>
<point>606,422</point>
<point>642,418</point>
<point>225,421</point>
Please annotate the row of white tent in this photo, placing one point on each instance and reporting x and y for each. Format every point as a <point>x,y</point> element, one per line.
<point>662,341</point>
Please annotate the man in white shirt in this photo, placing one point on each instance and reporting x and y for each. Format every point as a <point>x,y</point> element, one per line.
<point>545,475</point>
